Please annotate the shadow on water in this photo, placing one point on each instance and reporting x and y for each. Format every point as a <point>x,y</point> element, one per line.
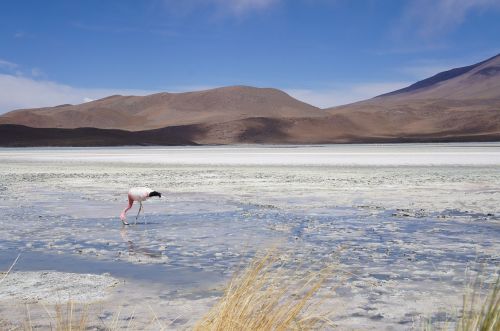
<point>160,271</point>
<point>171,276</point>
<point>135,249</point>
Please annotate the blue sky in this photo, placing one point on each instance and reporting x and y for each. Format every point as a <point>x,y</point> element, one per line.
<point>325,52</point>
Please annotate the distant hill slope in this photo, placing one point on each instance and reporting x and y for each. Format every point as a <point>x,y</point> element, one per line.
<point>22,136</point>
<point>166,109</point>
<point>246,131</point>
<point>462,101</point>
<point>488,68</point>
<point>461,104</point>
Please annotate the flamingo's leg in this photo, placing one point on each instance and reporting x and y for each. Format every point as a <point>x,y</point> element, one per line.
<point>140,208</point>
<point>123,216</point>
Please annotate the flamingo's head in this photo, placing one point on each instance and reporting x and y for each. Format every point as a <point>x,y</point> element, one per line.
<point>155,194</point>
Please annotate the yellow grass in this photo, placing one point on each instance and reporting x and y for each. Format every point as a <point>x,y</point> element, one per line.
<point>478,313</point>
<point>268,296</point>
<point>64,318</point>
<point>263,298</point>
<point>482,316</point>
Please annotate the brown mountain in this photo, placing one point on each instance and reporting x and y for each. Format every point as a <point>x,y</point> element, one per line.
<point>461,104</point>
<point>160,110</point>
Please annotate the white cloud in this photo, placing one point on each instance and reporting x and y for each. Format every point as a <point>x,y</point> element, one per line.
<point>4,64</point>
<point>23,92</point>
<point>221,7</point>
<point>14,68</point>
<point>35,72</point>
<point>239,7</point>
<point>19,34</point>
<point>430,18</point>
<point>342,95</point>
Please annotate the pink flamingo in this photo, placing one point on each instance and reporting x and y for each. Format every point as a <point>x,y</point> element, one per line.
<point>139,194</point>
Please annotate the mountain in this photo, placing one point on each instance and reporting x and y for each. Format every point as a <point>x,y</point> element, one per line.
<point>160,110</point>
<point>444,85</point>
<point>461,104</point>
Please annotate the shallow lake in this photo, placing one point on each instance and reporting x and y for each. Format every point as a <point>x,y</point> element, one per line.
<point>401,223</point>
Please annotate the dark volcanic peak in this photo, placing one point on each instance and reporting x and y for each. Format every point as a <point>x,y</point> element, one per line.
<point>443,76</point>
<point>489,71</point>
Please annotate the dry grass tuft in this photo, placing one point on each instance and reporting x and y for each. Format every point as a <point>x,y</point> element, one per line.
<point>263,298</point>
<point>66,318</point>
<point>484,318</point>
<point>478,313</point>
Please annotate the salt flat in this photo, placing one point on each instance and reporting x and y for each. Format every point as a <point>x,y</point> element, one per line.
<point>355,154</point>
<point>400,223</point>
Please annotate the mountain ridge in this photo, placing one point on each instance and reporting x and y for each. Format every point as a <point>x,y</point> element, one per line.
<point>461,104</point>
<point>136,113</point>
<point>439,77</point>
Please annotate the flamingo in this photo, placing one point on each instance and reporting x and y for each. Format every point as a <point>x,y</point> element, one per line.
<point>139,194</point>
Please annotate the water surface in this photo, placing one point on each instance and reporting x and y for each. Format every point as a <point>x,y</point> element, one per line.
<point>401,223</point>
